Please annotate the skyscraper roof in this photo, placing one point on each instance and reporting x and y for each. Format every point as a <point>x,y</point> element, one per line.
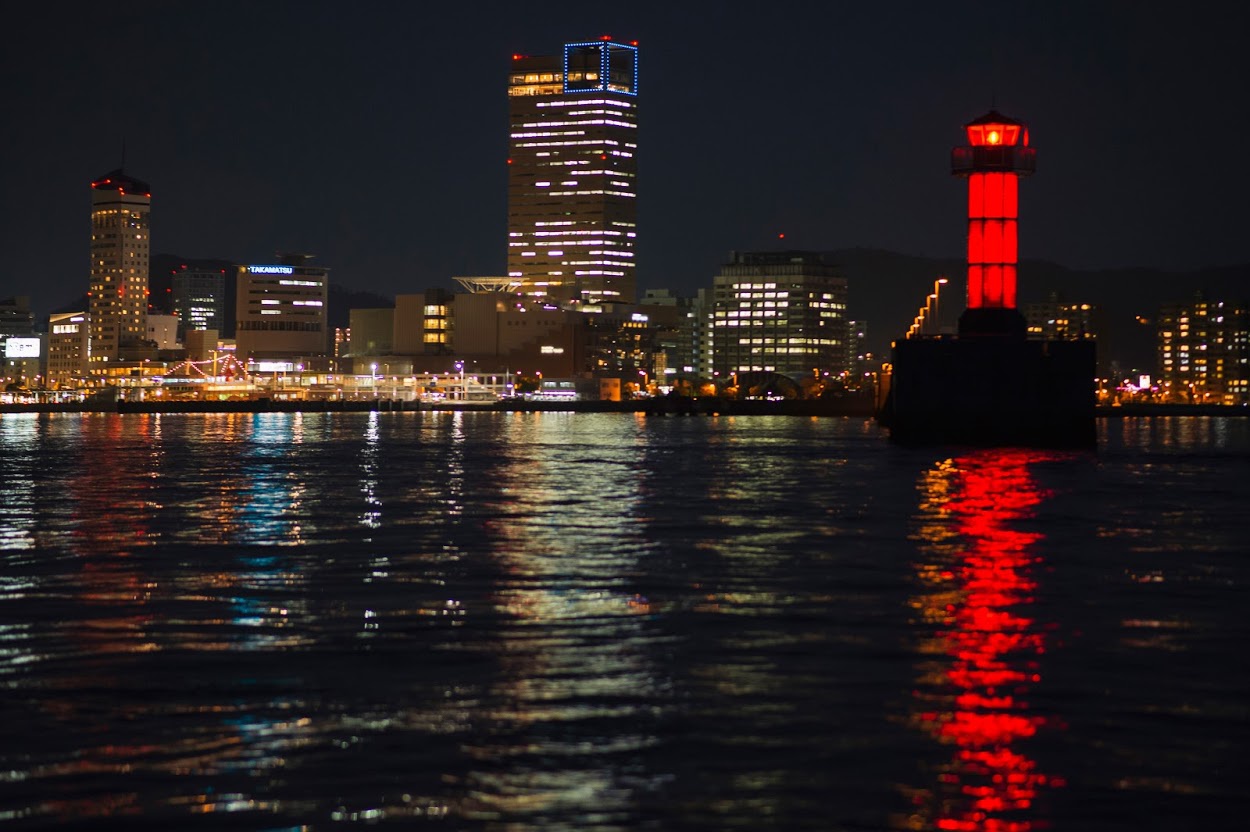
<point>119,180</point>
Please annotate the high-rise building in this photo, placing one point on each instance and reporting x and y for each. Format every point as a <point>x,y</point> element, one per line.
<point>1204,351</point>
<point>120,248</point>
<point>572,171</point>
<point>779,312</point>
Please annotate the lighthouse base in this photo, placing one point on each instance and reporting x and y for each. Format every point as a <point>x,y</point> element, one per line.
<point>991,390</point>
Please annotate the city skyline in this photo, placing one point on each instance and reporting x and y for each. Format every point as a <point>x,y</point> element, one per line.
<point>835,140</point>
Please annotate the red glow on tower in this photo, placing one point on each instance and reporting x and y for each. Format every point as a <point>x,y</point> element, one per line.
<point>996,156</point>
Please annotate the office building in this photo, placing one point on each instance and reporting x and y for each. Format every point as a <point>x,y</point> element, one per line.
<point>572,171</point>
<point>199,298</point>
<point>69,345</point>
<point>280,310</point>
<point>673,317</point>
<point>778,312</point>
<point>120,249</point>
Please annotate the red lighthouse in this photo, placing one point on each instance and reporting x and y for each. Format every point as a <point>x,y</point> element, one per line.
<point>990,385</point>
<point>996,156</point>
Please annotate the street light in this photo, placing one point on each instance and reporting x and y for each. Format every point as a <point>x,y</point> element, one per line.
<point>937,300</point>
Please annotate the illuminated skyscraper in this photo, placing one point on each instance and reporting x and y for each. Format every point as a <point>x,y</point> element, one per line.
<point>120,247</point>
<point>572,169</point>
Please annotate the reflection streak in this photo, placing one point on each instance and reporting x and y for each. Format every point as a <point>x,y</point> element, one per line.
<point>974,697</point>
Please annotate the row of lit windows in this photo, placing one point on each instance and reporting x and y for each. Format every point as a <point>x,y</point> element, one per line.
<point>589,102</point>
<point>781,350</point>
<point>576,116</point>
<point>593,193</point>
<point>755,322</point>
<point>535,89</point>
<point>597,151</point>
<point>570,243</point>
<point>567,233</point>
<point>790,341</point>
<point>519,177</point>
<point>582,143</point>
<point>544,128</point>
<point>548,77</point>
<point>284,325</point>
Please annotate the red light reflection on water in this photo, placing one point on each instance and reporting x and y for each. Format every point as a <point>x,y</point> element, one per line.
<point>989,645</point>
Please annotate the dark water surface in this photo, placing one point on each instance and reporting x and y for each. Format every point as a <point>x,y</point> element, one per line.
<point>600,621</point>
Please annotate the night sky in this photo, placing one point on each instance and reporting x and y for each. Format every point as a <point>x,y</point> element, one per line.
<point>375,134</point>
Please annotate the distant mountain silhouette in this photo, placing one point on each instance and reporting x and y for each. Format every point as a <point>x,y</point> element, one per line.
<point>887,289</point>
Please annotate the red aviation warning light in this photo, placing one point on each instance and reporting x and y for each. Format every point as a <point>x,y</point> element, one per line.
<point>996,156</point>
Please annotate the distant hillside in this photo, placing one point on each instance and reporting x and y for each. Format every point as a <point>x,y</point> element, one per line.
<point>886,290</point>
<point>342,301</point>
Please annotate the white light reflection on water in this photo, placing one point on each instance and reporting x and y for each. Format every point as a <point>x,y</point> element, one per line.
<point>372,516</point>
<point>577,688</point>
<point>19,445</point>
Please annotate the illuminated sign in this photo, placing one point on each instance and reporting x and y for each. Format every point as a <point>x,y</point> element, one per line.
<point>21,348</point>
<point>274,366</point>
<point>637,316</point>
<point>271,269</point>
<point>552,350</point>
